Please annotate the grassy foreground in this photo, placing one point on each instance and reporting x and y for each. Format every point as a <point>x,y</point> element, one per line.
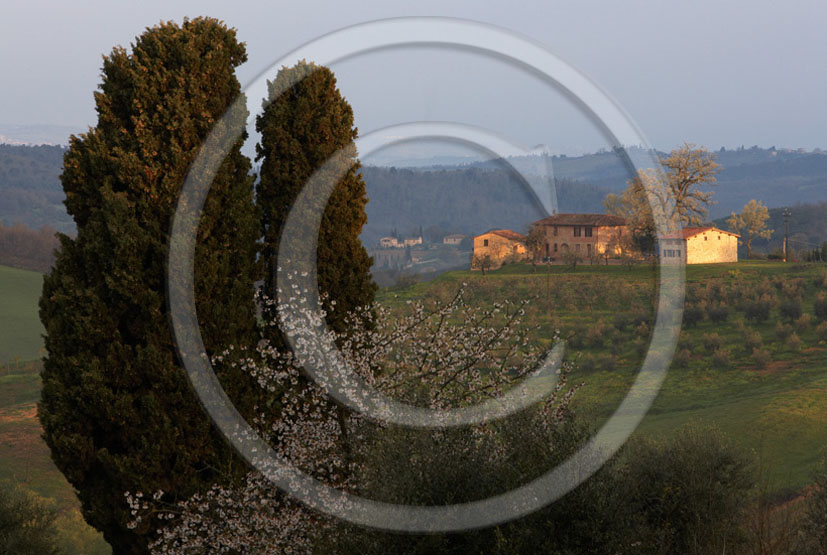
<point>778,409</point>
<point>24,457</point>
<point>20,327</point>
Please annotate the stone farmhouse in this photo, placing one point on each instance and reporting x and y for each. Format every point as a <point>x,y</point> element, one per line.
<point>498,246</point>
<point>700,245</point>
<point>584,234</point>
<point>598,234</point>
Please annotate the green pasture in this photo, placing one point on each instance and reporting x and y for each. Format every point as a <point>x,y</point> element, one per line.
<point>779,411</point>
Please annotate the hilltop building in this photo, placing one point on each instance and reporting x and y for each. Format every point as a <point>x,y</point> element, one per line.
<point>454,239</point>
<point>700,245</point>
<point>394,243</point>
<point>497,247</point>
<point>584,234</point>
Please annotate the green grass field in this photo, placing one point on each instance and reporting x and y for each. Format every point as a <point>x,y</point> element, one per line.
<point>24,457</point>
<point>20,327</point>
<point>779,411</point>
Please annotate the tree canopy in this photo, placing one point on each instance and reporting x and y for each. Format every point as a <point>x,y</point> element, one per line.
<point>117,410</point>
<point>753,221</point>
<point>672,197</point>
<point>301,129</point>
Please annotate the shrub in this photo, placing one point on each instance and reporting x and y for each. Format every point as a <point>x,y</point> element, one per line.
<point>692,316</point>
<point>761,357</point>
<point>783,331</point>
<point>596,335</point>
<point>712,342</point>
<point>27,523</point>
<point>758,310</point>
<point>642,331</point>
<point>794,343</point>
<point>721,359</point>
<point>752,340</point>
<point>682,358</point>
<point>690,492</point>
<point>640,317</point>
<point>804,322</point>
<point>820,306</point>
<point>791,309</point>
<point>718,314</point>
<point>616,338</point>
<point>622,320</point>
<point>813,536</point>
<point>821,331</point>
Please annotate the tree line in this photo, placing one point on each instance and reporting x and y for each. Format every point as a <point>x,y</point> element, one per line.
<point>27,248</point>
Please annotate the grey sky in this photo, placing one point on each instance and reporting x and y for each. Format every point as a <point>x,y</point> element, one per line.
<point>714,73</point>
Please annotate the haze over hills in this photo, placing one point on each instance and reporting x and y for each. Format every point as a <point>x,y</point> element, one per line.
<point>471,197</point>
<point>37,134</point>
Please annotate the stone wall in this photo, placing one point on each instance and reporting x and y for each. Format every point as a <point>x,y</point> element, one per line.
<point>499,249</point>
<point>711,246</point>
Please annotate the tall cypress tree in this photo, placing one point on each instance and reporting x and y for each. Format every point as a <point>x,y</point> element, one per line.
<point>117,410</point>
<point>301,129</point>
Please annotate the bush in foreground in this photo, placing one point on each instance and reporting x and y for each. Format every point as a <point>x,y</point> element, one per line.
<point>26,524</point>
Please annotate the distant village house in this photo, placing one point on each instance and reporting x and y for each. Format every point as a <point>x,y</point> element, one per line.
<point>700,245</point>
<point>454,239</point>
<point>394,243</point>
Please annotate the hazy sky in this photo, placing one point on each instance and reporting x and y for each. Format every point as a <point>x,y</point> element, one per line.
<point>718,73</point>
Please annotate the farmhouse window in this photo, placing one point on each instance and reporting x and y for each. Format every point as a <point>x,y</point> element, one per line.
<point>555,231</point>
<point>578,231</point>
<point>588,231</point>
<point>485,242</point>
<point>555,247</point>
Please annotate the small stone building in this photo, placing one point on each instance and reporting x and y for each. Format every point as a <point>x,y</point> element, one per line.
<point>700,245</point>
<point>584,234</point>
<point>453,239</point>
<point>499,246</point>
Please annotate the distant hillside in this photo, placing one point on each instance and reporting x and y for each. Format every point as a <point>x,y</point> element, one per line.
<point>469,198</point>
<point>30,190</point>
<point>808,228</point>
<point>468,201</point>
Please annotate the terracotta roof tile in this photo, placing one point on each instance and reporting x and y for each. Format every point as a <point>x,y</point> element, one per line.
<point>582,219</point>
<point>507,234</point>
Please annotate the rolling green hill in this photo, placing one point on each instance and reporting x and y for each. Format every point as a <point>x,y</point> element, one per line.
<point>20,327</point>
<point>777,408</point>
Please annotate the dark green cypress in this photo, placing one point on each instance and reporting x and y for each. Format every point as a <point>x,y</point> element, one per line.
<point>300,130</point>
<point>117,410</point>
